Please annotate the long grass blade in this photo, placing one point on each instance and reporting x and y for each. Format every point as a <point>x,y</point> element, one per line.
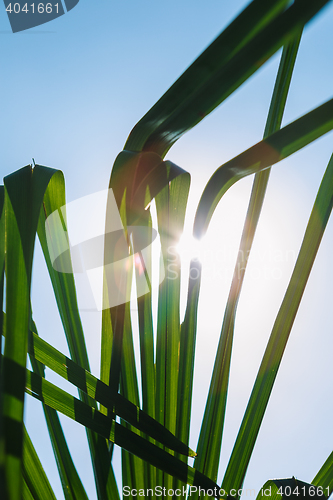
<point>146,336</point>
<point>210,439</point>
<point>70,480</point>
<point>3,487</point>
<point>24,191</point>
<point>238,463</point>
<point>65,294</point>
<point>186,358</point>
<point>170,205</point>
<point>324,476</point>
<point>135,180</point>
<point>33,473</point>
<point>129,179</point>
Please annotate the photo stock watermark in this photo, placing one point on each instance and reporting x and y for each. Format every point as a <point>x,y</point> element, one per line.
<point>24,15</point>
<point>217,261</point>
<point>294,489</point>
<point>97,250</point>
<point>163,492</point>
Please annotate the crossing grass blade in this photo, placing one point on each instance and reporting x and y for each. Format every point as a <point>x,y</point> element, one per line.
<point>210,438</point>
<point>65,294</point>
<point>97,390</point>
<point>91,418</point>
<point>324,477</point>
<point>34,477</point>
<point>207,95</point>
<point>248,432</point>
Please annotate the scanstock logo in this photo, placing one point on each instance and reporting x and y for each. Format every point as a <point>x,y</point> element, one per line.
<point>24,15</point>
<point>100,253</point>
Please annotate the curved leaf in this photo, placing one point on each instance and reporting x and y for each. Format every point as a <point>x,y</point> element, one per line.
<point>158,131</point>
<point>271,150</point>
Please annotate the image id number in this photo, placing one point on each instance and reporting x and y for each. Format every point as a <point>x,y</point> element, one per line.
<point>39,8</point>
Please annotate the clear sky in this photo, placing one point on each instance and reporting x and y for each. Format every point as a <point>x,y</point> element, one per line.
<point>72,90</point>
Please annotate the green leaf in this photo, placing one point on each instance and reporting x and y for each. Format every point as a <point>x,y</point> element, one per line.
<point>24,191</point>
<point>136,179</point>
<point>35,479</point>
<point>186,358</point>
<point>271,150</point>
<point>97,390</point>
<point>65,294</point>
<point>170,205</point>
<point>158,130</point>
<point>91,418</point>
<point>249,22</point>
<point>324,477</point>
<point>70,480</point>
<point>3,488</point>
<point>143,269</point>
<point>248,432</point>
<point>210,439</point>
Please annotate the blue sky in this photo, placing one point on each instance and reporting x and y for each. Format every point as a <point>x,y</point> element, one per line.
<point>71,92</point>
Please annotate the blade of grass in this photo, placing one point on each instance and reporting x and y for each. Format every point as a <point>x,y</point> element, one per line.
<point>324,476</point>
<point>26,493</point>
<point>70,480</point>
<point>33,473</point>
<point>122,365</point>
<point>143,271</point>
<point>136,179</point>
<point>3,488</point>
<point>210,439</point>
<point>96,389</point>
<point>77,410</point>
<point>241,454</point>
<point>170,205</point>
<point>24,191</point>
<point>227,79</point>
<point>261,156</point>
<point>186,358</point>
<point>129,389</point>
<point>251,20</point>
<point>65,294</point>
